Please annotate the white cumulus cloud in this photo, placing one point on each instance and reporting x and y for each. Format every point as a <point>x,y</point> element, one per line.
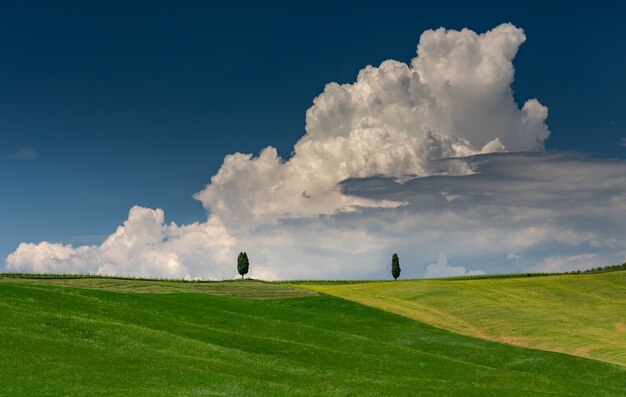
<point>453,100</point>
<point>420,159</point>
<point>144,245</point>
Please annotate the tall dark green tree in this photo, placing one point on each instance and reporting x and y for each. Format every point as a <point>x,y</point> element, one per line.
<point>395,266</point>
<point>242,264</point>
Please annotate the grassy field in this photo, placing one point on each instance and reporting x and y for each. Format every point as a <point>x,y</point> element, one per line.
<point>584,314</point>
<point>249,289</point>
<point>94,337</point>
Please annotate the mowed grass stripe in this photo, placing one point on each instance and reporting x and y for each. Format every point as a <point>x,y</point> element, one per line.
<point>242,288</point>
<point>102,342</point>
<point>583,315</point>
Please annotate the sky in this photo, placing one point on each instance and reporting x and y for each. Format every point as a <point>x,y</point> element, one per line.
<point>113,112</point>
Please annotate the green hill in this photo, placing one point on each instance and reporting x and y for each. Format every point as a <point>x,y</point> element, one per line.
<point>583,314</point>
<point>95,337</point>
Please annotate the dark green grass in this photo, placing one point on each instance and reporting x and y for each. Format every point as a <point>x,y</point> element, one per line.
<point>65,340</point>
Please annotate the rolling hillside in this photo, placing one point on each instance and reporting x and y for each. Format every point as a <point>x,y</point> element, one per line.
<point>583,315</point>
<point>94,337</point>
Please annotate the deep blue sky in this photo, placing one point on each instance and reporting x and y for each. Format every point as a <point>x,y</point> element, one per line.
<point>138,103</point>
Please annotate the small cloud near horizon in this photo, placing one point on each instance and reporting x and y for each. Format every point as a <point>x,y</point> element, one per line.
<point>441,269</point>
<point>512,256</point>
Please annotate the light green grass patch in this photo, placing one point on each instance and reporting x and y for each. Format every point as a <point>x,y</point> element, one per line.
<point>583,315</point>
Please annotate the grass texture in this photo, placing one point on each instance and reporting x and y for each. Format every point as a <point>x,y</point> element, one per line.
<point>98,337</point>
<point>582,314</point>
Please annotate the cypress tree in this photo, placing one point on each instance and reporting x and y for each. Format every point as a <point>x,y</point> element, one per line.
<point>395,266</point>
<point>242,264</point>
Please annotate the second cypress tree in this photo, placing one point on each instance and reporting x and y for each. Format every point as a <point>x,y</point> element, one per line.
<point>395,266</point>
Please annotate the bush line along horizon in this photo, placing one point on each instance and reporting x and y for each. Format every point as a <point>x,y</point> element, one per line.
<point>243,266</point>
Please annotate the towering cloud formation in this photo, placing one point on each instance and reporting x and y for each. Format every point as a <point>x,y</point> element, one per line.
<point>454,100</point>
<point>402,160</point>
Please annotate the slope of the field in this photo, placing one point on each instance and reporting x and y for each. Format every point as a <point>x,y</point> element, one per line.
<point>583,315</point>
<point>101,337</point>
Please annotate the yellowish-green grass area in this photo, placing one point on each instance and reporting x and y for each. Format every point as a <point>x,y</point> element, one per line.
<point>250,289</point>
<point>578,314</point>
